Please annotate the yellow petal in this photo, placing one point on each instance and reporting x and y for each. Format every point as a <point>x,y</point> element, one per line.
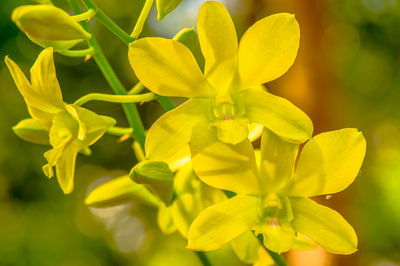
<point>323,225</point>
<point>277,160</point>
<point>246,247</point>
<point>268,49</point>
<point>329,163</point>
<point>167,67</point>
<point>223,166</point>
<point>278,115</point>
<point>184,211</point>
<point>120,190</point>
<point>65,169</point>
<point>220,223</point>
<point>44,79</point>
<point>41,108</point>
<point>171,132</point>
<point>218,43</point>
<point>165,220</point>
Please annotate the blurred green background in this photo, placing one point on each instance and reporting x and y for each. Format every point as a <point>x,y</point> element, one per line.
<point>347,74</point>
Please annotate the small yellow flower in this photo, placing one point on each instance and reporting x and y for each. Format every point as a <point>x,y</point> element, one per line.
<point>228,94</point>
<point>70,128</point>
<point>272,198</point>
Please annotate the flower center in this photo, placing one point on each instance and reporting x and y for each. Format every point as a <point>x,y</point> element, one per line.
<point>270,206</point>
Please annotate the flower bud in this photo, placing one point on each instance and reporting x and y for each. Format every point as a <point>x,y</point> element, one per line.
<point>157,176</point>
<point>32,131</point>
<point>48,23</point>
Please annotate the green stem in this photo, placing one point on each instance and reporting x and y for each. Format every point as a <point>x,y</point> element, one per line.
<point>111,25</point>
<point>203,257</point>
<point>166,103</point>
<point>278,259</point>
<point>119,131</point>
<point>78,53</point>
<point>131,111</point>
<point>84,16</point>
<point>138,88</point>
<point>146,97</point>
<point>142,19</point>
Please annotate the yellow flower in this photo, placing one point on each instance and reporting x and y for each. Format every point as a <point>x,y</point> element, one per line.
<point>70,129</point>
<point>272,198</point>
<point>228,94</point>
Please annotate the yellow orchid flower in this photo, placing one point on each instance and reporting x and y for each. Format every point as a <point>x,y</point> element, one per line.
<point>70,129</point>
<point>227,95</point>
<point>272,198</point>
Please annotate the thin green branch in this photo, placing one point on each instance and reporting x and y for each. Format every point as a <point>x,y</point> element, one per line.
<point>78,53</point>
<point>119,131</point>
<point>138,88</point>
<point>142,19</point>
<point>146,97</point>
<point>111,25</point>
<point>203,258</point>
<point>166,103</point>
<point>85,15</point>
<point>131,111</point>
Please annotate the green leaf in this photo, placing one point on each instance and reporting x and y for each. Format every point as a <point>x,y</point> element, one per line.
<point>164,7</point>
<point>157,176</point>
<point>32,131</point>
<point>118,191</point>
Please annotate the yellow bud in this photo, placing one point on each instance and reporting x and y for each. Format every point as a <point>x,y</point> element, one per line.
<point>32,131</point>
<point>48,23</point>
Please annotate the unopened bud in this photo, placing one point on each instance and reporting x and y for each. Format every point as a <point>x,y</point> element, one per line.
<point>157,176</point>
<point>32,131</point>
<point>48,23</point>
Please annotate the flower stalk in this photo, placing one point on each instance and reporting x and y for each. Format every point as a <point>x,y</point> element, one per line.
<point>131,111</point>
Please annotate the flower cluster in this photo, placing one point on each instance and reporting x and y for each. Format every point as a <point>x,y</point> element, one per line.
<point>200,168</point>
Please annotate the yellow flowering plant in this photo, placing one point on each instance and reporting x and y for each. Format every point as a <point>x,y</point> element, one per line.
<point>272,198</point>
<point>197,164</point>
<point>227,95</point>
<point>69,129</point>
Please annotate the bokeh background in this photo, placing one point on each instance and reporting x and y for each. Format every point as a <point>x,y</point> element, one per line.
<point>347,74</point>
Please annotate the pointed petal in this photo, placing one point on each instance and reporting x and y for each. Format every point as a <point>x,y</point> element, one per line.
<point>278,115</point>
<point>44,79</point>
<point>118,191</point>
<point>277,160</point>
<point>323,225</point>
<point>167,67</point>
<point>220,223</point>
<point>223,166</point>
<point>329,163</point>
<point>218,43</point>
<point>171,132</point>
<point>268,49</point>
<point>40,109</point>
<point>65,168</point>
